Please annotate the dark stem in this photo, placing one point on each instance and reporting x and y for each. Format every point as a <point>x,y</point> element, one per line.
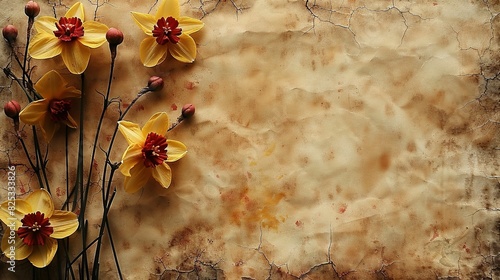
<point>85,263</point>
<point>28,36</point>
<point>95,272</point>
<point>40,165</point>
<point>175,124</point>
<point>43,163</point>
<point>68,269</point>
<point>82,252</point>
<point>96,139</point>
<point>115,256</point>
<point>67,168</point>
<point>79,178</point>
<point>106,200</point>
<point>58,263</point>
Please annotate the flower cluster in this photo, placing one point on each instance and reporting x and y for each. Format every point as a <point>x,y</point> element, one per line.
<point>72,37</point>
<point>54,103</point>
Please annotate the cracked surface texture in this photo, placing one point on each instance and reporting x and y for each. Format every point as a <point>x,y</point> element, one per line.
<point>332,140</point>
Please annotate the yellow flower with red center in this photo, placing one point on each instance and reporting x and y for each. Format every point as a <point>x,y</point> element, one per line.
<point>70,36</point>
<point>33,227</point>
<point>148,152</point>
<point>53,110</point>
<point>168,32</point>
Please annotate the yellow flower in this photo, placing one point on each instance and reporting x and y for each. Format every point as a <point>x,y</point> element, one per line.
<point>167,31</point>
<point>148,152</point>
<point>70,36</point>
<point>53,109</point>
<point>33,227</point>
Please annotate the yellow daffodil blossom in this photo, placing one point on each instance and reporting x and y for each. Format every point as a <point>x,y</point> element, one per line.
<point>148,152</point>
<point>70,36</point>
<point>33,225</point>
<point>53,110</point>
<point>168,32</point>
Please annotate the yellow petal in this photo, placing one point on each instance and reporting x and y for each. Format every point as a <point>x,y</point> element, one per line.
<point>48,127</point>
<point>40,200</point>
<point>151,52</point>
<point>70,122</point>
<point>175,150</point>
<point>94,34</point>
<point>184,50</point>
<point>158,123</point>
<point>71,92</point>
<point>11,212</point>
<point>51,85</point>
<point>64,223</point>
<point>168,8</point>
<point>76,11</point>
<point>46,25</point>
<point>42,255</point>
<point>190,25</point>
<point>75,56</point>
<point>163,58</point>
<point>131,157</point>
<point>139,177</point>
<point>145,21</point>
<point>163,175</point>
<point>44,46</point>
<point>34,112</point>
<point>131,132</point>
<point>21,250</point>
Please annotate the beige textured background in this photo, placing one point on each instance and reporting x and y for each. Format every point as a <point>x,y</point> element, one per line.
<point>332,139</point>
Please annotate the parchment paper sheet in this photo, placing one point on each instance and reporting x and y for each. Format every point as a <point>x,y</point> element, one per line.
<point>332,139</point>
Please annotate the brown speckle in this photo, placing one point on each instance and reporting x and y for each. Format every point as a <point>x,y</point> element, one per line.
<point>189,85</point>
<point>182,237</point>
<point>385,161</point>
<point>411,147</point>
<point>137,217</point>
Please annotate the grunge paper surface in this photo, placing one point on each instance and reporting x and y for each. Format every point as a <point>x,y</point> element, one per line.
<point>332,139</point>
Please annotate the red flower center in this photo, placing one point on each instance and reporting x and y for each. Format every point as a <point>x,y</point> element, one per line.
<point>69,29</point>
<point>35,229</point>
<point>167,30</point>
<point>154,150</point>
<point>58,109</point>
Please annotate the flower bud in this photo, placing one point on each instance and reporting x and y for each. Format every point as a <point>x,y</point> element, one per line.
<point>114,36</point>
<point>155,83</point>
<point>9,32</point>
<point>12,109</point>
<point>188,111</point>
<point>32,9</point>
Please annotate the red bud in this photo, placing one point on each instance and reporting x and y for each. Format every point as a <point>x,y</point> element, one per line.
<point>114,36</point>
<point>9,32</point>
<point>32,9</point>
<point>155,83</point>
<point>188,110</point>
<point>12,109</point>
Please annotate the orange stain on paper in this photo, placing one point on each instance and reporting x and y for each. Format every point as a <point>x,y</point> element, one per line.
<point>248,209</point>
